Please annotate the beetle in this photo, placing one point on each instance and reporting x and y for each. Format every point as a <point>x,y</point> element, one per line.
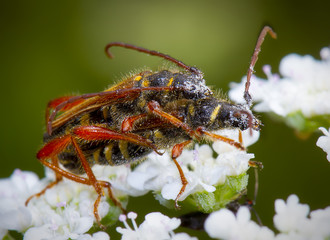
<point>146,112</point>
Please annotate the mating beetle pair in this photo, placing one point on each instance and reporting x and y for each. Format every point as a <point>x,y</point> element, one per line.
<point>148,111</point>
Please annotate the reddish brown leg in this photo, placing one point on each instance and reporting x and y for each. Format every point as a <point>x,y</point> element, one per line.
<point>176,152</point>
<point>154,107</point>
<point>87,181</point>
<point>128,123</point>
<point>94,133</point>
<point>256,164</point>
<point>177,149</point>
<point>52,149</point>
<point>62,173</point>
<point>99,134</point>
<point>240,137</point>
<point>107,185</point>
<point>50,185</point>
<point>221,138</point>
<point>92,181</point>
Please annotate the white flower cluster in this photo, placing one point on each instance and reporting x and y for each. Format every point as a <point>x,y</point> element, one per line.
<point>155,226</point>
<point>324,141</point>
<point>305,87</point>
<point>301,97</point>
<point>66,210</point>
<point>201,169</point>
<point>63,212</point>
<point>291,220</point>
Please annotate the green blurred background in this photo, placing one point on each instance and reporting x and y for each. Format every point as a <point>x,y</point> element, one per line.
<point>52,48</point>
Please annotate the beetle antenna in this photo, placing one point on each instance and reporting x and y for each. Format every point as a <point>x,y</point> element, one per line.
<point>151,52</point>
<point>254,59</point>
<point>250,119</point>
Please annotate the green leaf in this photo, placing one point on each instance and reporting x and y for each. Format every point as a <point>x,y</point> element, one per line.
<point>211,201</point>
<point>303,124</point>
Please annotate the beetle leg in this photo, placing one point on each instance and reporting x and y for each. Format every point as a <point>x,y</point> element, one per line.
<point>58,178</point>
<point>128,123</point>
<point>91,133</point>
<point>50,151</point>
<point>57,145</point>
<point>232,142</point>
<point>98,185</point>
<point>154,107</point>
<point>176,152</point>
<point>256,164</point>
<point>240,137</point>
<point>94,133</point>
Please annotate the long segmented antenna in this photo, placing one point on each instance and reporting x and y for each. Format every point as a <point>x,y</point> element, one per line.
<point>254,59</point>
<point>151,52</point>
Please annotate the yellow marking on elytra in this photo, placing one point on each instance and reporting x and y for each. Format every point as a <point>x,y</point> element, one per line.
<point>214,113</point>
<point>84,120</point>
<point>123,149</point>
<point>158,134</point>
<point>145,83</point>
<point>142,103</point>
<point>191,109</point>
<point>105,112</point>
<point>137,78</point>
<point>170,82</point>
<point>108,153</point>
<point>65,161</point>
<point>96,155</point>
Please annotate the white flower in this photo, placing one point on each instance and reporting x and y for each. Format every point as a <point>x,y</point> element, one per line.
<point>223,224</point>
<point>62,225</point>
<point>95,236</point>
<point>324,142</point>
<point>200,168</point>
<point>290,215</point>
<point>13,193</point>
<point>321,219</point>
<point>117,176</point>
<point>155,226</point>
<point>305,87</point>
<point>291,220</point>
<point>64,211</point>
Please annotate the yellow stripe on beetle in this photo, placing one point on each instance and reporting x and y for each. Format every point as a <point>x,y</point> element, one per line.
<point>215,113</point>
